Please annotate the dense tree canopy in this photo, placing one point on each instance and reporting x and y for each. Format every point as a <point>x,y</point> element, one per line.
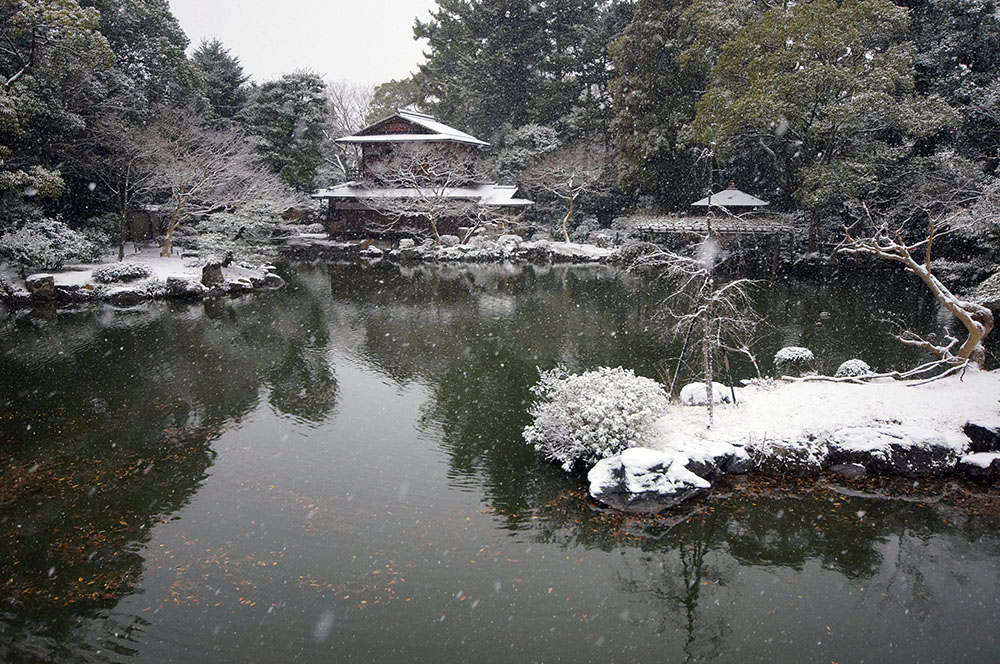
<point>288,116</point>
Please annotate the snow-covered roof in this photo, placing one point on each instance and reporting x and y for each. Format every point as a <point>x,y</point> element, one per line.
<point>438,131</point>
<point>487,193</point>
<point>731,197</point>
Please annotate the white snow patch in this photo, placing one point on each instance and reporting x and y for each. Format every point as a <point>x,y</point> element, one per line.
<point>981,459</point>
<point>804,411</point>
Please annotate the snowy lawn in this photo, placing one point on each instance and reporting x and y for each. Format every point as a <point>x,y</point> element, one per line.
<point>814,410</point>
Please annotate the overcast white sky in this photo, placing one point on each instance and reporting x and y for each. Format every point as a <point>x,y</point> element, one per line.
<point>364,41</point>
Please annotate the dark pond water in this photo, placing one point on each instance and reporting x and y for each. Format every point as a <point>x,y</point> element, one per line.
<point>334,472</point>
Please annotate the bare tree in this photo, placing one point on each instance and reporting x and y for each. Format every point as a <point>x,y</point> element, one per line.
<point>569,173</point>
<point>349,106</point>
<point>418,186</point>
<point>204,170</point>
<point>123,162</point>
<point>867,237</point>
<point>719,314</point>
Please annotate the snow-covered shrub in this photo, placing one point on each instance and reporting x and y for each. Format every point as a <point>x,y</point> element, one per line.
<point>580,419</point>
<point>246,232</point>
<point>853,368</point>
<point>793,359</point>
<point>121,272</point>
<point>583,230</point>
<point>46,244</point>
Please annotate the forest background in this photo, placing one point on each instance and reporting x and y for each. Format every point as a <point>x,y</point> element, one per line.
<point>819,107</point>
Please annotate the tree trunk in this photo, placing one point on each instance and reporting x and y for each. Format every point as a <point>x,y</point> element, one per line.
<point>168,239</point>
<point>565,221</point>
<point>706,351</point>
<point>814,219</point>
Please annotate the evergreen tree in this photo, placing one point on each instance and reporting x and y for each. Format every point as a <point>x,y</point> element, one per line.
<point>654,101</point>
<point>222,78</point>
<point>820,93</point>
<point>150,49</point>
<point>496,65</point>
<point>958,57</point>
<point>287,116</point>
<point>49,66</point>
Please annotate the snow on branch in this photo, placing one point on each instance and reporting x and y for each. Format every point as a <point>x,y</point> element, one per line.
<point>866,237</point>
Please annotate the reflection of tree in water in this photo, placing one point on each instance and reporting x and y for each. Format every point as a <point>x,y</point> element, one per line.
<point>475,336</point>
<point>108,422</point>
<point>684,568</point>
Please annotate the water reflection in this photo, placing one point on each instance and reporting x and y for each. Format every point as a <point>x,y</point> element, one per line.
<point>336,469</point>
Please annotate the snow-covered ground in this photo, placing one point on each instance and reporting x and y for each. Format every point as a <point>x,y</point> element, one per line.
<point>164,277</point>
<point>814,410</point>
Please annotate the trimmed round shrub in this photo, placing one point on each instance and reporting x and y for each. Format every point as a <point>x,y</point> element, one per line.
<point>853,368</point>
<point>580,419</point>
<point>120,272</point>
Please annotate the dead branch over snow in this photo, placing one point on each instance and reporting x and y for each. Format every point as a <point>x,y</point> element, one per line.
<point>881,242</point>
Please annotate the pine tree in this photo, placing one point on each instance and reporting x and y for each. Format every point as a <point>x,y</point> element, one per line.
<point>287,116</point>
<point>223,79</point>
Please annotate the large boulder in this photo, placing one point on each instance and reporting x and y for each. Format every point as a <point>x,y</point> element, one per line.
<point>983,436</point>
<point>42,287</point>
<point>644,480</point>
<point>180,287</point>
<point>907,451</point>
<point>211,273</point>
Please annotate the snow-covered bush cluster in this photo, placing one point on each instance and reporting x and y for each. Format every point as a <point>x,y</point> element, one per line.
<point>580,419</point>
<point>246,232</point>
<point>793,355</point>
<point>46,244</point>
<point>853,368</point>
<point>113,273</point>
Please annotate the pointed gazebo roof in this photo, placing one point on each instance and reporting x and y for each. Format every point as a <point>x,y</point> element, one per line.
<point>730,198</point>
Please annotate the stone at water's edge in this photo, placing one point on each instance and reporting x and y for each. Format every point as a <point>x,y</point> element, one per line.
<point>211,274</point>
<point>981,466</point>
<point>904,451</point>
<point>643,480</point>
<point>984,436</point>
<point>42,287</point>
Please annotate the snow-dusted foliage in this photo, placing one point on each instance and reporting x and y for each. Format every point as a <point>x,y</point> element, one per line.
<point>581,419</point>
<point>46,244</point>
<point>246,232</point>
<point>793,355</point>
<point>853,368</point>
<point>114,273</point>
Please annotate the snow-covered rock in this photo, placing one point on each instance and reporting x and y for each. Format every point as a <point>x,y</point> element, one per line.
<point>450,240</point>
<point>909,451</point>
<point>853,368</point>
<point>407,243</point>
<point>42,287</point>
<point>693,394</point>
<point>980,465</point>
<point>180,287</point>
<point>644,480</point>
<point>983,436</point>
<point>789,456</point>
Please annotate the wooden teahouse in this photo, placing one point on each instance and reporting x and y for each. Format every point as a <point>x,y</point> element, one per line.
<point>406,159</point>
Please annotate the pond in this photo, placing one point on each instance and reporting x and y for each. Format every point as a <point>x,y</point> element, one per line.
<point>334,472</point>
